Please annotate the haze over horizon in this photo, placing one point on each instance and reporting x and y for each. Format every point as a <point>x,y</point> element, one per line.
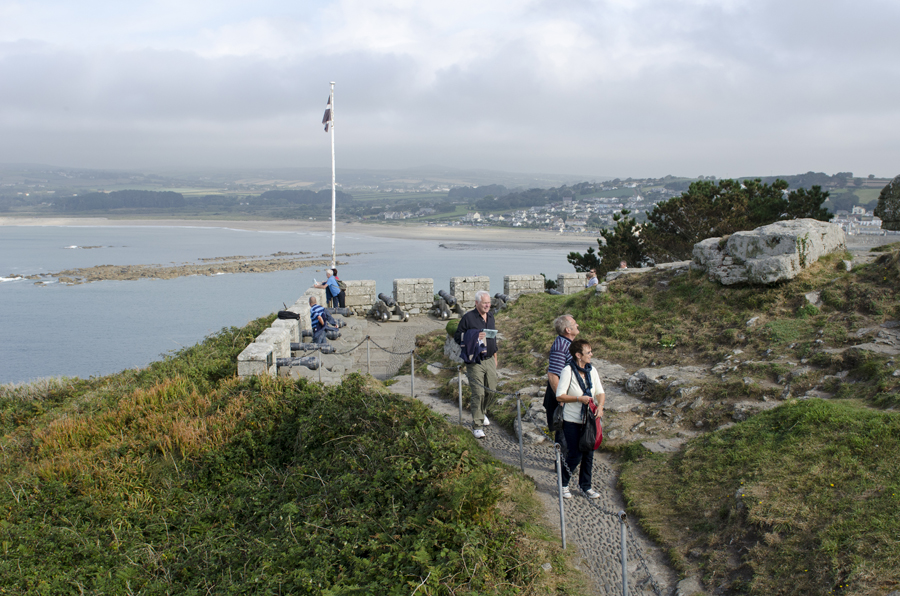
<point>641,89</point>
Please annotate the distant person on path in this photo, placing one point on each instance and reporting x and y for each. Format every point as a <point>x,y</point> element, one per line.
<point>566,330</point>
<point>592,278</point>
<point>317,316</point>
<point>334,294</point>
<point>579,383</point>
<point>482,372</point>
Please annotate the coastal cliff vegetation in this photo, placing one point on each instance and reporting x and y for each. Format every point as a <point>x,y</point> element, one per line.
<point>800,498</point>
<point>787,482</point>
<point>181,478</point>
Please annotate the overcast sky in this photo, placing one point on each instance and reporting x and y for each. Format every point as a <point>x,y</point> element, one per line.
<point>607,88</point>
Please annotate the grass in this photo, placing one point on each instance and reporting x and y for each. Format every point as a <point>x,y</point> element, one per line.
<point>797,500</point>
<point>182,478</point>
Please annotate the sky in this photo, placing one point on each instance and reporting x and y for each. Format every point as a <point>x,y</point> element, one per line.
<point>620,88</point>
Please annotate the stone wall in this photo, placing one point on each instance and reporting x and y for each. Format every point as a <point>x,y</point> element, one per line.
<point>414,295</point>
<point>360,295</point>
<point>301,307</point>
<point>464,288</point>
<point>291,325</point>
<point>516,285</point>
<point>319,293</point>
<point>257,359</point>
<point>569,283</point>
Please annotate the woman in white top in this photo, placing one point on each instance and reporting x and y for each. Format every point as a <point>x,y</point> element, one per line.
<point>578,384</point>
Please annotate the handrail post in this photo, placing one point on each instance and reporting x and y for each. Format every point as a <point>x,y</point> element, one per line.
<point>368,361</point>
<point>321,363</point>
<point>412,374</point>
<point>624,540</point>
<point>459,377</point>
<point>521,432</point>
<point>559,487</point>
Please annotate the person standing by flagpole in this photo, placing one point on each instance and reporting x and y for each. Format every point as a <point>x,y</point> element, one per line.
<point>328,121</point>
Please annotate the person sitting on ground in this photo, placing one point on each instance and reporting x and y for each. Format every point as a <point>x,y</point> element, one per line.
<point>591,278</point>
<point>335,296</point>
<point>578,384</point>
<point>317,316</point>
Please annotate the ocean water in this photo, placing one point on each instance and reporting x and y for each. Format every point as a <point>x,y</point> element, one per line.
<point>104,327</point>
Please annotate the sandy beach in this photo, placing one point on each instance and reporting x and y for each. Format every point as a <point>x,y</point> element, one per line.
<point>508,236</point>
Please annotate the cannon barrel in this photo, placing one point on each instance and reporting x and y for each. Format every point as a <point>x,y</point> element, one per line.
<point>330,333</point>
<point>503,297</point>
<point>344,312</point>
<point>310,347</point>
<point>310,362</point>
<point>388,300</point>
<point>553,292</point>
<point>449,298</point>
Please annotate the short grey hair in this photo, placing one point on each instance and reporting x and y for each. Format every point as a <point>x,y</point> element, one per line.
<point>563,322</point>
<point>480,293</point>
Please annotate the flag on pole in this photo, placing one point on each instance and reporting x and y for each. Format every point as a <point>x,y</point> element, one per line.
<point>326,119</point>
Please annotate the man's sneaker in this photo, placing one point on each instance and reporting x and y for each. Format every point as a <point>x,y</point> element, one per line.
<point>591,494</point>
<point>486,421</point>
<point>479,434</point>
<point>567,494</point>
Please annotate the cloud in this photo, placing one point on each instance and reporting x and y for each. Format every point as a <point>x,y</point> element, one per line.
<point>645,87</point>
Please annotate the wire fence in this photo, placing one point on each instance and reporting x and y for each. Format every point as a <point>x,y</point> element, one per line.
<point>627,549</point>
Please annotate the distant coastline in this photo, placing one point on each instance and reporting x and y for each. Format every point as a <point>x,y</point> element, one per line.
<point>508,236</point>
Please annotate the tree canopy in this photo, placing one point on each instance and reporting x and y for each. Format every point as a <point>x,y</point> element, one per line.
<point>706,209</point>
<point>622,243</point>
<point>888,208</point>
<point>709,209</point>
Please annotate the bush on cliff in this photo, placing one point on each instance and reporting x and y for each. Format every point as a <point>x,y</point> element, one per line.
<point>182,478</point>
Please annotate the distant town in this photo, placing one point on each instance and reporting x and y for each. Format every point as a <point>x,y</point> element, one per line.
<point>435,197</point>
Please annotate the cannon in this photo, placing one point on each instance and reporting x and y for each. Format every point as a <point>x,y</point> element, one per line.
<point>310,362</point>
<point>344,312</point>
<point>440,309</point>
<point>404,316</point>
<point>330,333</point>
<point>380,311</point>
<point>311,347</point>
<point>449,298</point>
<point>553,292</point>
<point>503,297</point>
<point>388,300</point>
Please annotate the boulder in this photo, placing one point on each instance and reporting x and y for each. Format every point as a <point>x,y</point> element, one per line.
<point>772,253</point>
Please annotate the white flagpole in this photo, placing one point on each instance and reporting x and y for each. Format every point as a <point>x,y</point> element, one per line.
<point>333,188</point>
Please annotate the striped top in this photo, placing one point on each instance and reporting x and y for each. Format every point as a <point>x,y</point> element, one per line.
<point>559,355</point>
<point>316,311</point>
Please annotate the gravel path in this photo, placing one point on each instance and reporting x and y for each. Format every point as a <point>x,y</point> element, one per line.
<point>591,525</point>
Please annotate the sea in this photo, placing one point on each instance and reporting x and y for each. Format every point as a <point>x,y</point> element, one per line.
<point>94,329</point>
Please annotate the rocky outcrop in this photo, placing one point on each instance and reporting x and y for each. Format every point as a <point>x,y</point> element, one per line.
<point>772,253</point>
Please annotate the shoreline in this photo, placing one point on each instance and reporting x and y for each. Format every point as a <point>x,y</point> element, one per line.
<point>510,236</point>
